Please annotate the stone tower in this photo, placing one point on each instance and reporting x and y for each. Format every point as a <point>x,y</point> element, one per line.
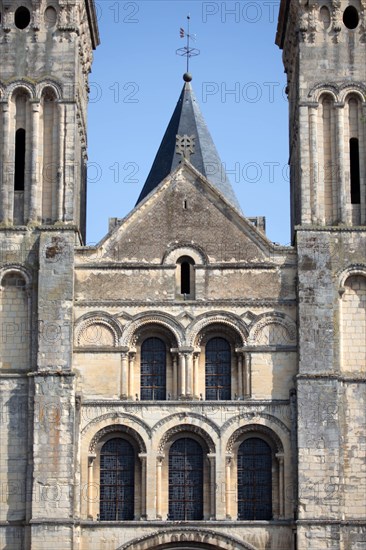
<point>324,51</point>
<point>46,55</point>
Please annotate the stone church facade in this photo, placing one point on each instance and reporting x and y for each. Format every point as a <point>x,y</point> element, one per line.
<point>186,383</point>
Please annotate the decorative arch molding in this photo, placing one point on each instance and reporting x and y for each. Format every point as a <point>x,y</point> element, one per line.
<point>117,429</point>
<point>20,85</point>
<point>132,329</point>
<point>255,429</point>
<point>97,318</point>
<point>118,418</point>
<point>352,89</point>
<point>276,318</point>
<point>49,84</point>
<point>324,88</point>
<point>15,268</point>
<point>194,537</point>
<point>203,420</point>
<point>185,249</point>
<point>357,269</point>
<point>250,416</point>
<point>187,428</point>
<point>197,328</point>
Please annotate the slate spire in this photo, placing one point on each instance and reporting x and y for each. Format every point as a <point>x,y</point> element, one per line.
<point>187,131</point>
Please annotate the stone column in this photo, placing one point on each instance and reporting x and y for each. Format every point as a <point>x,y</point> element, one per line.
<point>240,375</point>
<point>142,457</point>
<point>6,181</point>
<point>281,484</point>
<point>90,492</point>
<point>174,374</point>
<point>212,481</point>
<point>342,191</point>
<point>182,375</point>
<point>159,465</point>
<point>228,463</point>
<point>124,374</point>
<point>35,202</point>
<point>247,375</point>
<point>314,181</point>
<point>132,357</point>
<point>189,374</point>
<point>196,356</point>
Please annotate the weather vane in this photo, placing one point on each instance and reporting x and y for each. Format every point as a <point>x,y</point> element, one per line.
<point>187,51</point>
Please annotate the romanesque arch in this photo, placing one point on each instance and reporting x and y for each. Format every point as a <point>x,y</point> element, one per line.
<point>97,329</point>
<point>187,538</point>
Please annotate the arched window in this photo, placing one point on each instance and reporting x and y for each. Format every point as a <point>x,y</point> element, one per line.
<point>15,318</point>
<point>19,172</point>
<point>50,147</point>
<point>327,168</point>
<point>353,325</point>
<point>185,282</point>
<point>185,480</point>
<point>218,369</point>
<point>185,278</point>
<point>153,369</point>
<point>117,480</point>
<point>254,480</point>
<point>354,153</point>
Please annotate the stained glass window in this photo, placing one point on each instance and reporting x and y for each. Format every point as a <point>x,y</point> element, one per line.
<point>185,480</point>
<point>153,369</point>
<point>254,480</point>
<point>117,480</point>
<point>218,369</point>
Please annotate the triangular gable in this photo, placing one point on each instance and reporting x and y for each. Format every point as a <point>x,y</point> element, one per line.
<point>160,218</point>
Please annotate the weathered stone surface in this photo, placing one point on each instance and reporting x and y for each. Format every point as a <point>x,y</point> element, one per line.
<point>73,319</point>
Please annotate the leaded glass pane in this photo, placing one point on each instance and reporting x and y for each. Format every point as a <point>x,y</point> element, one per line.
<point>153,370</point>
<point>254,480</point>
<point>185,480</point>
<point>117,480</point>
<point>218,369</point>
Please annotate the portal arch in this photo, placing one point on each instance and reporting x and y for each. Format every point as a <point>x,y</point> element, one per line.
<point>187,539</point>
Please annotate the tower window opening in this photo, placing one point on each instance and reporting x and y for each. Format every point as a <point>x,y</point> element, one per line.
<point>50,17</point>
<point>351,17</point>
<point>22,18</point>
<point>185,278</point>
<point>324,16</point>
<point>355,171</point>
<point>19,173</point>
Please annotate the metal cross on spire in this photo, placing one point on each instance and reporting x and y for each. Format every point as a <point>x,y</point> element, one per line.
<point>187,51</point>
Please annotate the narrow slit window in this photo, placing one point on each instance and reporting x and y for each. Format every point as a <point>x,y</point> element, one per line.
<point>19,173</point>
<point>185,278</point>
<point>355,171</point>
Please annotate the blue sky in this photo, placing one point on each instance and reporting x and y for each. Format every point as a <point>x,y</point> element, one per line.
<point>238,80</point>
